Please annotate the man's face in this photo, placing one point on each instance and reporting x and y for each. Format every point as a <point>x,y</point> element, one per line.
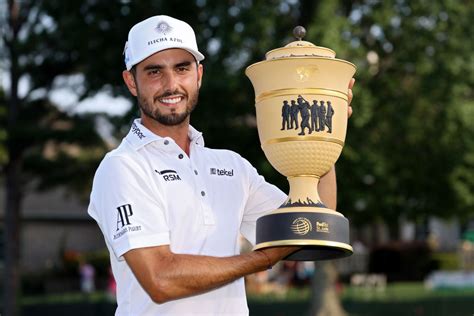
<point>166,85</point>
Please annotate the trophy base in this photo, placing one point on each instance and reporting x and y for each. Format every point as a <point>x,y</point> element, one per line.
<point>322,233</point>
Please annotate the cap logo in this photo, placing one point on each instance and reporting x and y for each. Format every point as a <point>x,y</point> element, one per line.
<point>163,28</point>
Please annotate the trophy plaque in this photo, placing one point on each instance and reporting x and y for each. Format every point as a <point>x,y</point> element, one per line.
<point>301,107</point>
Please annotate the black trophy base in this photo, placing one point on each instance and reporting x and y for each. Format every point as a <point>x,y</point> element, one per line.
<point>322,233</point>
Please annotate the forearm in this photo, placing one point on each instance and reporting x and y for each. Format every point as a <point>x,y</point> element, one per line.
<point>166,276</point>
<point>197,274</point>
<point>327,189</point>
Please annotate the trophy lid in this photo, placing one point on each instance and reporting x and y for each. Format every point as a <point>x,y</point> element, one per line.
<point>300,48</point>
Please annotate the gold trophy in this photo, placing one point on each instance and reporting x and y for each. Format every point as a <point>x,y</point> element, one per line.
<point>301,107</point>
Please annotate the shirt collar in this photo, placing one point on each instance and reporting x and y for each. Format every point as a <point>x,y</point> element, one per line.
<point>139,136</point>
<point>195,136</point>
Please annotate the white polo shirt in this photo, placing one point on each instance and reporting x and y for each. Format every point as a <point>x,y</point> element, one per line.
<point>148,192</point>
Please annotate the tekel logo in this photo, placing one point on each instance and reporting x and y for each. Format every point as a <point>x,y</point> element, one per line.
<point>222,172</point>
<point>169,175</point>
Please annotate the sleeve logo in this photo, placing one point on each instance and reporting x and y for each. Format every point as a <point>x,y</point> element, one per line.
<point>124,212</point>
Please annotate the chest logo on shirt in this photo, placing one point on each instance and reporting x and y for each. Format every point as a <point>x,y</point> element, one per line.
<point>222,172</point>
<point>169,175</point>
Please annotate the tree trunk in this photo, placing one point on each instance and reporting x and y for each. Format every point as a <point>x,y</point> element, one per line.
<point>11,282</point>
<point>325,300</point>
<point>12,240</point>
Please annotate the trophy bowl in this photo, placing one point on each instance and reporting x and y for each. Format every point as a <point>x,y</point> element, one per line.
<point>301,107</point>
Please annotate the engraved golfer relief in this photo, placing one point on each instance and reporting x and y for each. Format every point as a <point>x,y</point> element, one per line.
<point>308,117</point>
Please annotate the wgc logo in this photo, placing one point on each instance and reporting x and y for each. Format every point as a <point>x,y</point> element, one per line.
<point>301,226</point>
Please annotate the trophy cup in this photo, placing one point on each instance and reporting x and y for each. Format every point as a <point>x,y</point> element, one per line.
<point>301,108</point>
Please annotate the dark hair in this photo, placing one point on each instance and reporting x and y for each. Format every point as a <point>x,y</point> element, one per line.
<point>133,70</point>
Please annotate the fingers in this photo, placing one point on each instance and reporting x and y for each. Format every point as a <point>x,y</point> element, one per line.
<point>277,253</point>
<point>351,83</point>
<point>349,91</point>
<point>349,97</point>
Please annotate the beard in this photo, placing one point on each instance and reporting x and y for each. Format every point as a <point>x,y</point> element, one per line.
<point>173,118</point>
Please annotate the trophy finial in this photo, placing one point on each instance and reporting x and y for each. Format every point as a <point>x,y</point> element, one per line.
<point>299,32</point>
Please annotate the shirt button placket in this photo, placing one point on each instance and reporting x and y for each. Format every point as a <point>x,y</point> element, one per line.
<point>207,213</point>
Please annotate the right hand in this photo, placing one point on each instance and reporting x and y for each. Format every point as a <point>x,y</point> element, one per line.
<point>276,254</point>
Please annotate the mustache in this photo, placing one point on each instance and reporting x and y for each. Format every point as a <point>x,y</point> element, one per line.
<point>168,94</point>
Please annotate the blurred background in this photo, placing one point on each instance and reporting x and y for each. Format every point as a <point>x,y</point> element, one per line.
<point>405,178</point>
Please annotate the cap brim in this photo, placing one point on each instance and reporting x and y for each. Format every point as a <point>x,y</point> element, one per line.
<point>197,55</point>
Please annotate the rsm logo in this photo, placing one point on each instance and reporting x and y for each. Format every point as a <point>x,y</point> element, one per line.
<point>169,175</point>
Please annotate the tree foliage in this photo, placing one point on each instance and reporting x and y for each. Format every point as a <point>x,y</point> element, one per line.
<point>410,141</point>
<point>52,144</point>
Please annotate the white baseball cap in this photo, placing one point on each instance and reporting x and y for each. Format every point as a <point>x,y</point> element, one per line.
<point>156,34</point>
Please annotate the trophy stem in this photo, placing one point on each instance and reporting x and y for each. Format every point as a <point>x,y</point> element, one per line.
<point>303,192</point>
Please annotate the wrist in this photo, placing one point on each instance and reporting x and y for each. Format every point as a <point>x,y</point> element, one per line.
<point>267,259</point>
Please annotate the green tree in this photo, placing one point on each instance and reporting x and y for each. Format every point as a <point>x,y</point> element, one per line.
<point>409,147</point>
<point>410,143</point>
<point>44,145</point>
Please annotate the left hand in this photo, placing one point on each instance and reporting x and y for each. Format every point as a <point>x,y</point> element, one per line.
<point>349,95</point>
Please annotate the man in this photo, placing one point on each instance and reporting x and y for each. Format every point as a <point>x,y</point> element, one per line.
<point>314,116</point>
<point>294,110</point>
<point>322,116</point>
<point>285,116</point>
<point>329,115</point>
<point>170,209</point>
<point>305,115</point>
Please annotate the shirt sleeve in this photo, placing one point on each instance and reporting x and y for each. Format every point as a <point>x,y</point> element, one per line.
<point>129,210</point>
<point>263,198</point>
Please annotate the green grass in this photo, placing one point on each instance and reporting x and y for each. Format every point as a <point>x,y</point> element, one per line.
<point>399,299</point>
<point>65,298</point>
<point>408,299</point>
<point>404,292</point>
<point>293,295</point>
<point>400,292</point>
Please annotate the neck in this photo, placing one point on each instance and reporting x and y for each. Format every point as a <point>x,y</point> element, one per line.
<point>179,133</point>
